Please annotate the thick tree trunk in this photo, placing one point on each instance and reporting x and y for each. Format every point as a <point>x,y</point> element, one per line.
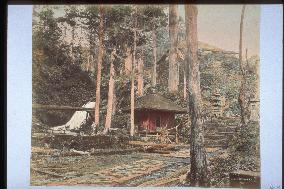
<point>243,101</point>
<point>128,61</point>
<point>154,74</point>
<point>173,67</point>
<point>140,81</point>
<point>110,95</point>
<point>198,162</point>
<point>100,59</point>
<point>132,126</point>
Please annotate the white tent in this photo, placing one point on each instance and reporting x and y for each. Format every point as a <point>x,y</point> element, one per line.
<point>77,120</point>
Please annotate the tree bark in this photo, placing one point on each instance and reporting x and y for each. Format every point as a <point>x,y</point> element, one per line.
<point>184,86</point>
<point>110,95</point>
<point>198,161</point>
<point>92,64</point>
<point>154,74</point>
<point>140,81</point>
<point>128,62</point>
<point>72,44</point>
<point>100,59</point>
<point>88,63</point>
<point>242,99</point>
<point>114,104</point>
<point>173,66</point>
<point>241,40</point>
<point>132,126</point>
<point>182,58</point>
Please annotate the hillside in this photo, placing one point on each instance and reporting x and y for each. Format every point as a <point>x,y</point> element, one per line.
<point>203,45</point>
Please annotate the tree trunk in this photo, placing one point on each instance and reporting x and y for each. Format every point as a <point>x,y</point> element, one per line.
<point>173,66</point>
<point>241,41</point>
<point>184,86</point>
<point>128,62</point>
<point>247,63</point>
<point>154,74</point>
<point>182,58</point>
<point>114,104</point>
<point>140,81</point>
<point>242,94</point>
<point>92,64</point>
<point>110,94</point>
<point>88,63</point>
<point>100,59</point>
<point>72,44</point>
<point>132,126</point>
<point>198,162</point>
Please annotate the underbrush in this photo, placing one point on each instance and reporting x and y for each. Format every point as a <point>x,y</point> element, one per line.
<point>243,154</point>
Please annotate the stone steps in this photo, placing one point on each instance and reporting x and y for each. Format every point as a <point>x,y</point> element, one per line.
<point>215,146</point>
<point>220,141</point>
<point>213,137</point>
<point>218,133</point>
<point>222,129</point>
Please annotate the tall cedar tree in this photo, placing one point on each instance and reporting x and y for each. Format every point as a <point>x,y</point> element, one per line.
<point>173,66</point>
<point>140,69</point>
<point>90,20</point>
<point>153,19</point>
<point>198,162</point>
<point>132,126</point>
<point>127,61</point>
<point>154,46</point>
<point>110,100</point>
<point>242,94</point>
<point>99,72</point>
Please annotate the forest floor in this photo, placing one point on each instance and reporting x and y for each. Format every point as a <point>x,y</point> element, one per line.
<point>137,163</point>
<point>134,169</point>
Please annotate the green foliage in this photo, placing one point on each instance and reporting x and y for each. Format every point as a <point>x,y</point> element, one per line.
<point>46,36</point>
<point>246,142</point>
<point>152,17</point>
<point>221,71</point>
<point>56,80</point>
<point>243,154</point>
<point>59,76</point>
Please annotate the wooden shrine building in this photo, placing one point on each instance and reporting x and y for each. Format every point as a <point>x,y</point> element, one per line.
<point>153,112</point>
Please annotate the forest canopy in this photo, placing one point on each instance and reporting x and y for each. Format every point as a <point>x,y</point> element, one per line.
<point>65,50</point>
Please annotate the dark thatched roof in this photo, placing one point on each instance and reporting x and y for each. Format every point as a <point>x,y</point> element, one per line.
<point>156,102</point>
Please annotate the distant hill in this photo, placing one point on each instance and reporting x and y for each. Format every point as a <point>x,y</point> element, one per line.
<point>205,46</point>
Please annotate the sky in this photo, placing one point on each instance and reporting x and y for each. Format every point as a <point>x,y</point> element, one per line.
<point>219,25</point>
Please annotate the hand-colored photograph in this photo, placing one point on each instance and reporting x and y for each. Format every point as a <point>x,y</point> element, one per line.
<point>145,95</point>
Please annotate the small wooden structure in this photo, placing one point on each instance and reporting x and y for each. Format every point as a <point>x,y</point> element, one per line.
<point>154,112</point>
<point>246,179</point>
<point>254,109</point>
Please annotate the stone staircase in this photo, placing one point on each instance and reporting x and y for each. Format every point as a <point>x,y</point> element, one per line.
<point>219,131</point>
